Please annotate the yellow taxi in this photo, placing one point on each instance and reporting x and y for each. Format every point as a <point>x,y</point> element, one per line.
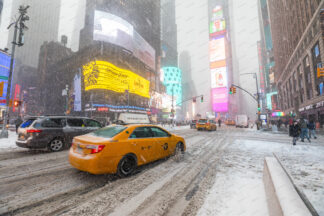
<point>230,122</point>
<point>206,124</point>
<point>121,148</point>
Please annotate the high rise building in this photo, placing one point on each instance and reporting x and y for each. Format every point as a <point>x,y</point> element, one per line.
<point>297,30</point>
<point>1,6</point>
<point>245,32</point>
<point>169,56</point>
<point>192,28</point>
<point>266,60</point>
<point>42,26</point>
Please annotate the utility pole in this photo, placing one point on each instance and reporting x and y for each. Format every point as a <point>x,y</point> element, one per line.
<point>18,25</point>
<point>258,98</point>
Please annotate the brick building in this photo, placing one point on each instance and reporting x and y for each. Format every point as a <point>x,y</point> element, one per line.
<point>298,49</point>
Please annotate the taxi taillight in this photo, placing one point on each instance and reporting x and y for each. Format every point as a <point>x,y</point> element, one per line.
<point>95,148</point>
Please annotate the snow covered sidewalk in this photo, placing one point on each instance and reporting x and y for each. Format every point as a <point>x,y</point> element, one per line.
<point>238,188</point>
<point>10,142</point>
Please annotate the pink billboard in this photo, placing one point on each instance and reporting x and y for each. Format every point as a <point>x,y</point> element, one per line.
<point>220,99</point>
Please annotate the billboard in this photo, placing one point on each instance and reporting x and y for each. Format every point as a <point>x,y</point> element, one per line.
<point>217,49</point>
<point>220,99</point>
<point>217,13</point>
<point>217,26</point>
<point>219,77</point>
<point>77,92</point>
<point>172,79</point>
<point>113,29</point>
<point>104,75</point>
<point>4,73</point>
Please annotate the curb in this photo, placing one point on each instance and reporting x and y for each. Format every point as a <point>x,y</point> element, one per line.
<point>282,197</point>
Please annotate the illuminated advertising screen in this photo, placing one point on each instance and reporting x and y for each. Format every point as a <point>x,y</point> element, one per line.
<point>218,26</point>
<point>4,73</point>
<point>113,29</point>
<point>217,49</point>
<point>217,13</point>
<point>172,80</point>
<point>219,77</point>
<point>104,75</point>
<point>220,99</point>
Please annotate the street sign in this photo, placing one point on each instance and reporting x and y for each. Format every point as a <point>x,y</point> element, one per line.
<point>320,72</point>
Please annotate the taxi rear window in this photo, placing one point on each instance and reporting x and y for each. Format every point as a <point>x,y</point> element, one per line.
<point>109,132</point>
<point>202,120</point>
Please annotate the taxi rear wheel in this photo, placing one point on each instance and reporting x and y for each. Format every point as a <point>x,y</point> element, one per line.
<point>127,166</point>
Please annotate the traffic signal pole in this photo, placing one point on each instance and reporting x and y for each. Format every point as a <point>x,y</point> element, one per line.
<point>22,11</point>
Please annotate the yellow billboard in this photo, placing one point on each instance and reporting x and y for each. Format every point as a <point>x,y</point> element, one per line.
<point>104,75</point>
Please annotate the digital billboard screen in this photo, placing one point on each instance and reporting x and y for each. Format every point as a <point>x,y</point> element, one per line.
<point>218,26</point>
<point>219,77</point>
<point>217,49</point>
<point>104,75</point>
<point>217,13</point>
<point>113,29</point>
<point>4,73</point>
<point>220,100</point>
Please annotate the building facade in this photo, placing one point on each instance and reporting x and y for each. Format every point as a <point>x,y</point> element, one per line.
<point>297,32</point>
<point>266,61</point>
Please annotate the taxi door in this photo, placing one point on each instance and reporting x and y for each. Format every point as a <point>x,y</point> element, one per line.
<point>141,141</point>
<point>164,143</point>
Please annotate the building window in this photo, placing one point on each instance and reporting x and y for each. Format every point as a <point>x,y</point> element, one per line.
<point>316,51</point>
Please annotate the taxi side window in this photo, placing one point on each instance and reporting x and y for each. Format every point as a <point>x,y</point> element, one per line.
<point>157,132</point>
<point>141,132</point>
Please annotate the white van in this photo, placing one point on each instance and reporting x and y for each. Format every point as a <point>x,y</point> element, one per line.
<point>242,121</point>
<point>133,118</point>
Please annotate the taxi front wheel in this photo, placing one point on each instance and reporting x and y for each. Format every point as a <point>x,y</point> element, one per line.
<point>127,166</point>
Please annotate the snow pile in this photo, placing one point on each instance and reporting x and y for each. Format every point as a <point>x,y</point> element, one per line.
<point>170,128</point>
<point>10,142</point>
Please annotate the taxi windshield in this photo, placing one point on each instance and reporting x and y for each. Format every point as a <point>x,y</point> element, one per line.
<point>109,132</point>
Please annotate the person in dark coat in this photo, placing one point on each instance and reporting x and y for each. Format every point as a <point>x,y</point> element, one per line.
<point>18,123</point>
<point>304,129</point>
<point>311,128</point>
<point>219,122</point>
<point>295,132</point>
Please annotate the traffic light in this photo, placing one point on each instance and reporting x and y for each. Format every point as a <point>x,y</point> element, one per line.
<point>194,100</point>
<point>259,108</point>
<point>234,90</point>
<point>202,99</point>
<point>231,91</point>
<point>17,103</point>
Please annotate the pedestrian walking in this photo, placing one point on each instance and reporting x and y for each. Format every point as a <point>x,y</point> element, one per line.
<point>295,132</point>
<point>311,128</point>
<point>304,130</point>
<point>18,123</point>
<point>219,122</point>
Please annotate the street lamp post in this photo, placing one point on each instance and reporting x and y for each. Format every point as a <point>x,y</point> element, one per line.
<point>18,25</point>
<point>258,96</point>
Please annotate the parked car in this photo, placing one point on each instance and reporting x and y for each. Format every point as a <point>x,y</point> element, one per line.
<point>193,124</point>
<point>121,148</point>
<point>53,132</point>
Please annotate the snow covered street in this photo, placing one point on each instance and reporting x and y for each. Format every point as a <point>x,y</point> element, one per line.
<point>220,174</point>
